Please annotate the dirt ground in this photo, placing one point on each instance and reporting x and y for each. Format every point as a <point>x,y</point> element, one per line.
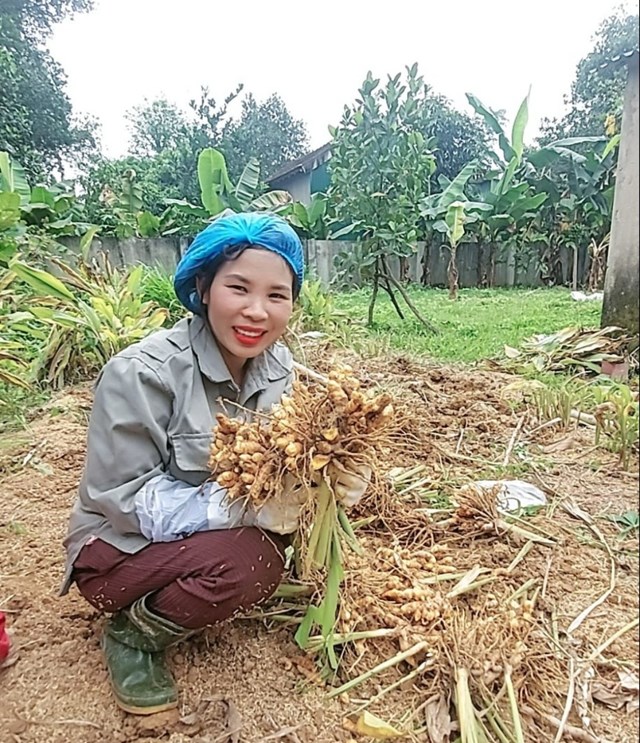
<point>245,682</point>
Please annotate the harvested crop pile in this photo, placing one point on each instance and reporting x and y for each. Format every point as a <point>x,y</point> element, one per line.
<point>441,601</point>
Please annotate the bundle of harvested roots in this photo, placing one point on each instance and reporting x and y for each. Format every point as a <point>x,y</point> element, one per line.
<point>321,429</point>
<point>320,424</point>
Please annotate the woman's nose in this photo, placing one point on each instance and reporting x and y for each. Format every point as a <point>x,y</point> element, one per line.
<point>256,310</point>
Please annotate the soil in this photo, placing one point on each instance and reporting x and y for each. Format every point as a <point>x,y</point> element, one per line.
<point>244,681</point>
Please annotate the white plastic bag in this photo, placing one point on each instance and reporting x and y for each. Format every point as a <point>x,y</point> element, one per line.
<point>515,494</point>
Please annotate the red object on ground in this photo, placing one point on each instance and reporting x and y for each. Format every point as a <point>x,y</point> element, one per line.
<point>4,640</point>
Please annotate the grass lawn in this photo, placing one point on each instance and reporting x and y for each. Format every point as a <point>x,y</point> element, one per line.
<point>477,325</point>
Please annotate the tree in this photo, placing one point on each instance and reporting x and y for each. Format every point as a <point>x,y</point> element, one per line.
<point>459,139</point>
<point>597,92</point>
<point>380,167</point>
<point>36,121</point>
<point>36,17</point>
<point>166,142</point>
<point>266,131</point>
<point>156,126</point>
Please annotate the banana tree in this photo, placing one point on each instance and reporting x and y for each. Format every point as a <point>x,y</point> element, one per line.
<point>511,200</point>
<point>448,212</point>
<point>219,193</point>
<point>14,191</point>
<point>580,215</point>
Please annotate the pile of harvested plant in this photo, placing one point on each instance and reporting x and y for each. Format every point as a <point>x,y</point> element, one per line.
<point>441,608</point>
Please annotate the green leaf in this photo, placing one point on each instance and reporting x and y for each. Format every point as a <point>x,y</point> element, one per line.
<point>519,125</point>
<point>270,201</point>
<point>9,209</point>
<point>487,114</point>
<point>455,190</point>
<point>455,222</point>
<point>86,240</point>
<point>248,182</point>
<point>12,178</point>
<point>611,145</point>
<point>41,281</point>
<point>213,179</point>
<point>42,195</point>
<point>317,208</point>
<point>148,224</point>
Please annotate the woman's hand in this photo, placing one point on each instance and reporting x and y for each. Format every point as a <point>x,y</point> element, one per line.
<point>349,484</point>
<point>281,514</point>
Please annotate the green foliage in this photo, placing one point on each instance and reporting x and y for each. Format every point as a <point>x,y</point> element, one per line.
<point>36,122</point>
<point>81,319</point>
<point>265,131</point>
<point>510,202</point>
<point>457,138</point>
<point>36,17</point>
<point>316,311</point>
<point>156,126</point>
<point>157,287</point>
<point>313,222</point>
<point>380,167</point>
<point>597,92</point>
<point>617,420</point>
<point>218,193</point>
<point>166,142</point>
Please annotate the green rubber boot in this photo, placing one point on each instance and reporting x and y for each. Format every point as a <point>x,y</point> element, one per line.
<point>133,642</point>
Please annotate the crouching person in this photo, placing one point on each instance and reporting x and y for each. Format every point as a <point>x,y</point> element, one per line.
<point>151,541</point>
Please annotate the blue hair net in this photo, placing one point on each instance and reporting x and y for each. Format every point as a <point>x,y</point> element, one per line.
<point>260,229</point>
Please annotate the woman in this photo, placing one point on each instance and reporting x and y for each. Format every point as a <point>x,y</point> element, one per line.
<point>150,540</point>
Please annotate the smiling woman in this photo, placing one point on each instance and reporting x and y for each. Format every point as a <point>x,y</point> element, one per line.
<point>151,538</point>
<point>248,305</point>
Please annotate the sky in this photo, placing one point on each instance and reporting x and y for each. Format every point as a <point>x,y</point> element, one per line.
<point>315,56</point>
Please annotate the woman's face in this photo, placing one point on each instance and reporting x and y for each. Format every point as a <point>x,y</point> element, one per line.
<point>249,304</point>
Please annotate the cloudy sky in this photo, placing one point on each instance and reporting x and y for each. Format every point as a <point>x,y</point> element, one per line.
<point>315,55</point>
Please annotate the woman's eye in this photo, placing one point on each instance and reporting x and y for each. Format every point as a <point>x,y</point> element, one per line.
<point>237,287</point>
<point>278,296</point>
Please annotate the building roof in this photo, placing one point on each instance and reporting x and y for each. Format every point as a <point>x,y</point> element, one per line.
<point>303,164</point>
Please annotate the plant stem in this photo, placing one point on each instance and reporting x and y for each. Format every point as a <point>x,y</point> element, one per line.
<point>513,704</point>
<point>413,650</point>
<point>374,294</point>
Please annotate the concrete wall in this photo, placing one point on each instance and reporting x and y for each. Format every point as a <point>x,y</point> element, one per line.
<point>427,266</point>
<point>621,281</point>
<point>162,252</point>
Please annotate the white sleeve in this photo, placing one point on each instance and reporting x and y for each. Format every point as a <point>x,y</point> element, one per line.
<point>170,509</point>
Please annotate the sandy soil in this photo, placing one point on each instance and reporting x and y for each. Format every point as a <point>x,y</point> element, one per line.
<point>245,682</point>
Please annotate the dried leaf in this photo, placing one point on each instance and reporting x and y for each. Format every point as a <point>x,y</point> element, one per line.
<point>610,697</point>
<point>374,727</point>
<point>561,445</point>
<point>438,720</point>
<point>320,461</point>
<point>629,681</point>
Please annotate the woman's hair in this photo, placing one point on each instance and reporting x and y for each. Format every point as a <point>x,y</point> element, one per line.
<point>231,253</point>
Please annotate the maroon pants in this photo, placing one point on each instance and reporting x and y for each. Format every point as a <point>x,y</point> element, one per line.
<point>197,581</point>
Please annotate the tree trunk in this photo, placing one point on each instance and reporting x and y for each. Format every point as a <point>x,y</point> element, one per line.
<point>387,287</point>
<point>452,273</point>
<point>407,299</point>
<point>374,294</point>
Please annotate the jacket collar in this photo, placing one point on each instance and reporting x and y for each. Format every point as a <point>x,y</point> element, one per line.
<point>261,370</point>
